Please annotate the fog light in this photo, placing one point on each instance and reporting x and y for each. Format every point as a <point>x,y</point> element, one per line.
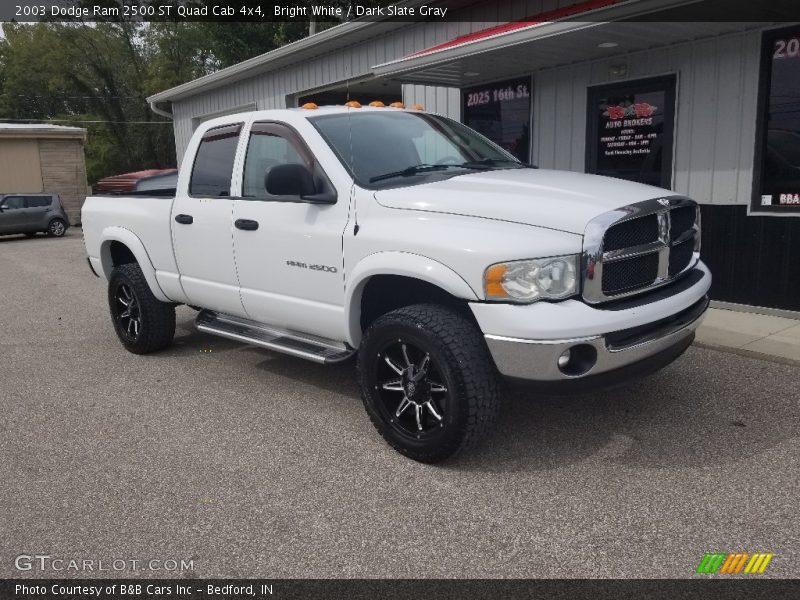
<point>577,360</point>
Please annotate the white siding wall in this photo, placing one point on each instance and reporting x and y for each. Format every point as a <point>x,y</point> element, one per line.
<point>440,100</point>
<point>715,118</point>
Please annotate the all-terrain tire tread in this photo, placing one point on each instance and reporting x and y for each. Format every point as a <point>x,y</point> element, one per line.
<point>158,317</point>
<point>476,376</point>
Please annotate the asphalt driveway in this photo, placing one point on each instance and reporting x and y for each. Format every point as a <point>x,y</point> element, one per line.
<point>250,463</point>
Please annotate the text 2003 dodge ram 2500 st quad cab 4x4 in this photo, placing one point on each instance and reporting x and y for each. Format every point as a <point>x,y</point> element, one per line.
<point>409,239</point>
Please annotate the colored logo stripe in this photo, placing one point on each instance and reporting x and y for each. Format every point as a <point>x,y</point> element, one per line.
<point>711,562</point>
<point>734,562</point>
<point>758,563</point>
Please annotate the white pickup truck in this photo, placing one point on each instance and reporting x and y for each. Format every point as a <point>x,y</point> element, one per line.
<point>411,241</point>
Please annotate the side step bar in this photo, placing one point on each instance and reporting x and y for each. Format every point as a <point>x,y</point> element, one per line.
<point>316,349</point>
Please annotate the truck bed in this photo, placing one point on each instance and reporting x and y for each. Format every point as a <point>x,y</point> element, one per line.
<point>145,216</point>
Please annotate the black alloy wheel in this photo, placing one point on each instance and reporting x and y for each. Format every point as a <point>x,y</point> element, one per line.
<point>427,381</point>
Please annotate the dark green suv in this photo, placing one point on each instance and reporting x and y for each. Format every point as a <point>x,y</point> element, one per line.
<point>31,214</point>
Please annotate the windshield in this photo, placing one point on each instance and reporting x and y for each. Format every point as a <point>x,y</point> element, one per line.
<point>397,148</point>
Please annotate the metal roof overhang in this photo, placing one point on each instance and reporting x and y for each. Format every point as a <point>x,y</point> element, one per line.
<point>528,46</point>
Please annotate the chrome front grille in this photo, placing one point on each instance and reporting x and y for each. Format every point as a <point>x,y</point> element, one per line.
<point>639,247</point>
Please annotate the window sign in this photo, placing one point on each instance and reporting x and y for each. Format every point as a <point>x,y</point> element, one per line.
<point>776,177</point>
<point>630,130</point>
<point>501,111</point>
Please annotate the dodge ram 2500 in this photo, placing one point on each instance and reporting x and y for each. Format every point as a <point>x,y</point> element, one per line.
<point>413,242</point>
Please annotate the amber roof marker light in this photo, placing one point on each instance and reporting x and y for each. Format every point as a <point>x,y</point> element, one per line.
<point>397,105</point>
<point>310,106</point>
<point>377,103</point>
<point>417,107</point>
<point>353,104</point>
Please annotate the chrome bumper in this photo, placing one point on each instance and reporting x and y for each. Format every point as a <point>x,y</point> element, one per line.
<point>537,360</point>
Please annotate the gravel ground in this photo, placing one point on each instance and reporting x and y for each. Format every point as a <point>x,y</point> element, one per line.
<point>254,464</point>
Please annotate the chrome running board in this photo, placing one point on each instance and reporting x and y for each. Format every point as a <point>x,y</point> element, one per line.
<point>316,349</point>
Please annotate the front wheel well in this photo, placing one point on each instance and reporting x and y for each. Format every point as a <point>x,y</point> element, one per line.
<point>385,293</point>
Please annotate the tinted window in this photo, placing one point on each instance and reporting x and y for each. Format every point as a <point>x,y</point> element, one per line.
<point>213,164</point>
<point>777,176</point>
<point>38,201</point>
<point>13,202</point>
<point>630,130</point>
<point>502,112</point>
<point>267,148</point>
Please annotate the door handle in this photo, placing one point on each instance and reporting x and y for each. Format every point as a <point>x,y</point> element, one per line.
<point>246,224</point>
<point>184,219</point>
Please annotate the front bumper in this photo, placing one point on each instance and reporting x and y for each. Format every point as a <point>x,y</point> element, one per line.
<point>612,340</point>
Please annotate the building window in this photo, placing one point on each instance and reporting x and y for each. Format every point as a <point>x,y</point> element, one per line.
<point>213,164</point>
<point>630,128</point>
<point>777,165</point>
<point>501,111</point>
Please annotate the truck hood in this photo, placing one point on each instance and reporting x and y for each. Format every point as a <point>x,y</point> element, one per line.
<point>560,200</point>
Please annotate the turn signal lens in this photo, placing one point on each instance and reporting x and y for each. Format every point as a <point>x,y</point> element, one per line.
<point>353,104</point>
<point>493,281</point>
<point>551,278</point>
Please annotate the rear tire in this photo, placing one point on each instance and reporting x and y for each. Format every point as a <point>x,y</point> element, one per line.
<point>57,228</point>
<point>427,381</point>
<point>143,323</point>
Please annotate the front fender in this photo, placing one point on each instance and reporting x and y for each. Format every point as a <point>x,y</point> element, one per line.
<point>134,244</point>
<point>406,264</point>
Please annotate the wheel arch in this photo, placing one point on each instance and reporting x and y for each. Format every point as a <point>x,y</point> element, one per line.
<point>431,280</point>
<point>121,246</point>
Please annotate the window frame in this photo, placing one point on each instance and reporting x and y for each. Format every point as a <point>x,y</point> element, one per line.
<point>766,49</point>
<point>669,83</point>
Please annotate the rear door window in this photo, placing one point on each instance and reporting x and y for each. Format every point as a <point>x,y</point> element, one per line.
<point>38,201</point>
<point>213,164</point>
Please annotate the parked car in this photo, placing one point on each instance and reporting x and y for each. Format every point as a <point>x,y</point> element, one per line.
<point>413,242</point>
<point>32,213</point>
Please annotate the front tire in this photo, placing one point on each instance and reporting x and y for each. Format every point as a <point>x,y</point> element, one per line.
<point>427,381</point>
<point>143,323</point>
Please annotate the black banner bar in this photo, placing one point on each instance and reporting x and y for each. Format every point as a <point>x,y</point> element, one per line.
<point>751,588</point>
<point>339,11</point>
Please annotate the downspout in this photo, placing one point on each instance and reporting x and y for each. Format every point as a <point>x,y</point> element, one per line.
<point>159,111</point>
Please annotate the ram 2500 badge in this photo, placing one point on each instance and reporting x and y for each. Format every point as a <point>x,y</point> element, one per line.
<point>411,241</point>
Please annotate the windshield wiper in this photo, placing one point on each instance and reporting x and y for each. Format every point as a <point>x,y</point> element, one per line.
<point>488,163</point>
<point>410,171</point>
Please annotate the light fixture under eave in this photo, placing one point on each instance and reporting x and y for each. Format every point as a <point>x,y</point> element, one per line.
<point>607,45</point>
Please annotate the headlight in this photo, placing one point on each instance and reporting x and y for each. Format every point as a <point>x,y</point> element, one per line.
<point>531,280</point>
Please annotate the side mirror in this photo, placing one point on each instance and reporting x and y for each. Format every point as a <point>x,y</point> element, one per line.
<point>294,179</point>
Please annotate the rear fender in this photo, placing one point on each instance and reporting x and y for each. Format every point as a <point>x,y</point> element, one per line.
<point>134,244</point>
